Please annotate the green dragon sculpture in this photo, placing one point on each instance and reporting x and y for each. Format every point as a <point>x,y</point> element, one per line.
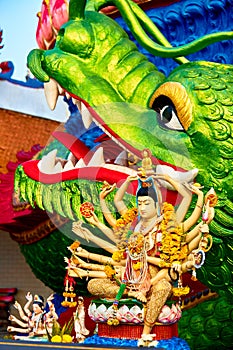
<point>184,119</point>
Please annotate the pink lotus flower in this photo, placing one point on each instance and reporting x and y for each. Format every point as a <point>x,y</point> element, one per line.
<point>170,315</point>
<point>53,14</point>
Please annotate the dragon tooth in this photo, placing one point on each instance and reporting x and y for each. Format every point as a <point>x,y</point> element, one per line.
<point>121,159</point>
<point>67,95</point>
<point>80,164</point>
<point>188,176</point>
<point>97,158</point>
<point>182,177</point>
<point>47,163</point>
<point>76,103</point>
<point>51,93</point>
<point>72,158</point>
<point>52,155</point>
<point>86,116</point>
<point>60,90</point>
<point>68,166</point>
<point>58,168</point>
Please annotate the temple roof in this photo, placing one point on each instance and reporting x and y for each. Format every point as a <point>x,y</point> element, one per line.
<point>20,132</point>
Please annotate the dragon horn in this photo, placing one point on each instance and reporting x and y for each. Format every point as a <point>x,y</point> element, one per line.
<point>76,9</point>
<point>141,25</point>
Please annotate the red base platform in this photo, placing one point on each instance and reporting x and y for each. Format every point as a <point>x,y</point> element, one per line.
<point>129,331</point>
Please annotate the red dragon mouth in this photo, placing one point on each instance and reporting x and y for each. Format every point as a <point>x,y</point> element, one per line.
<point>113,160</point>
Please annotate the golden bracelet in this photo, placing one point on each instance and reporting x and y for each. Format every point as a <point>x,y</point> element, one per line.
<point>164,264</point>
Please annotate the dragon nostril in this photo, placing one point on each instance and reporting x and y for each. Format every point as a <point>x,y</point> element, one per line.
<point>61,33</point>
<point>76,9</point>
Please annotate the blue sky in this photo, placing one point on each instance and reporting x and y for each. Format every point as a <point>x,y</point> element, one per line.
<point>18,21</point>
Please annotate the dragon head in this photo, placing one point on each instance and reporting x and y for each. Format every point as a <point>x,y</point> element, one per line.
<point>96,63</point>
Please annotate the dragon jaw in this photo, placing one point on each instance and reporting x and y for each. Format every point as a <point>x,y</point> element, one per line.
<point>96,165</point>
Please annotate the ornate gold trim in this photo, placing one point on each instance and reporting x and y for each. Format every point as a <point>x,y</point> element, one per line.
<point>40,231</point>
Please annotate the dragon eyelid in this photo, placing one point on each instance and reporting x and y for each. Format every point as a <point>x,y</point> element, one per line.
<point>175,95</point>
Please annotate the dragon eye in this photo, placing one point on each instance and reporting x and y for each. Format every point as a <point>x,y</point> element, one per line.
<point>166,113</point>
<point>169,119</point>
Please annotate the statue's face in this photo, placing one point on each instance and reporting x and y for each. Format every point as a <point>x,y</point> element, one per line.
<point>146,207</point>
<point>37,309</point>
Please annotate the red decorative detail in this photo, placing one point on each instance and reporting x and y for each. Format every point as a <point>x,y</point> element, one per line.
<point>1,46</point>
<point>6,70</point>
<point>76,146</point>
<point>87,209</point>
<point>53,14</point>
<point>7,213</point>
<point>87,173</point>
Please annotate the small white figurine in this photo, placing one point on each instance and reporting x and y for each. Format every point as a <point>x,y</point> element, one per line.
<point>79,321</point>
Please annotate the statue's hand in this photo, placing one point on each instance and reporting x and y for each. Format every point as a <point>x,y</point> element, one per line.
<point>70,265</point>
<point>211,213</point>
<point>165,177</point>
<point>28,296</point>
<point>12,318</point>
<point>16,305</point>
<point>189,264</point>
<point>204,228</point>
<point>51,307</point>
<point>51,297</point>
<point>93,219</point>
<point>131,178</point>
<point>175,271</point>
<point>106,189</point>
<point>82,252</point>
<point>119,271</point>
<point>194,188</point>
<point>176,267</point>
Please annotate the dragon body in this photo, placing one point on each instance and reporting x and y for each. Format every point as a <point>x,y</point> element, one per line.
<point>185,119</point>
